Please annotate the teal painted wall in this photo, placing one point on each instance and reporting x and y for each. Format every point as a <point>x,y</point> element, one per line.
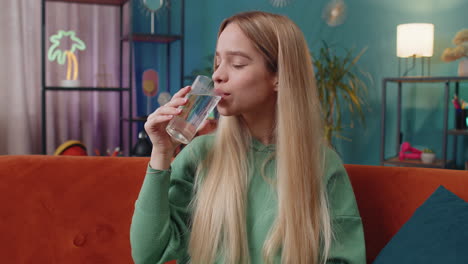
<point>370,24</point>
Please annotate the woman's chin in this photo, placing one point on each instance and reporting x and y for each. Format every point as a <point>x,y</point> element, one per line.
<point>224,112</point>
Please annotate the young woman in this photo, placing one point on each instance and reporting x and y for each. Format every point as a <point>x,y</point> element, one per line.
<point>265,188</point>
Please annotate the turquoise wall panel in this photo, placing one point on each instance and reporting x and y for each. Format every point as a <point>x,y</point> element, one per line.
<point>370,24</point>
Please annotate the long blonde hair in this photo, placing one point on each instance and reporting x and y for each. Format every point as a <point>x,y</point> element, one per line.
<point>302,229</point>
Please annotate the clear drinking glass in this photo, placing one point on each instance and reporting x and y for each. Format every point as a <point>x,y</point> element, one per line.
<point>201,101</point>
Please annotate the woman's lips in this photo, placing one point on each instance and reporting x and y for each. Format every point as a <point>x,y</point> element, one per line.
<point>221,93</point>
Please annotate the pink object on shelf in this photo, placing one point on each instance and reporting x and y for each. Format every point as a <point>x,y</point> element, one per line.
<point>150,82</point>
<point>408,152</point>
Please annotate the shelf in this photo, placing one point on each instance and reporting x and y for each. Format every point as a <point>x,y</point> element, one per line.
<point>415,163</point>
<point>136,119</point>
<point>101,89</point>
<point>126,41</point>
<point>458,132</point>
<point>94,2</point>
<point>426,79</point>
<point>153,38</point>
<point>448,81</point>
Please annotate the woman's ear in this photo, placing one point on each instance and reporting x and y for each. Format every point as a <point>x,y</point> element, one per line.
<point>275,83</point>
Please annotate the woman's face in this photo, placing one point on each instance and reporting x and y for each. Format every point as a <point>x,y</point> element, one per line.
<point>241,75</point>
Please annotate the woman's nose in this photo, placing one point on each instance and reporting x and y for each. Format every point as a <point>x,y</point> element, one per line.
<point>219,75</point>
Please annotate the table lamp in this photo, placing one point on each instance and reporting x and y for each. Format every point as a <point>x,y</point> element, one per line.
<point>415,40</point>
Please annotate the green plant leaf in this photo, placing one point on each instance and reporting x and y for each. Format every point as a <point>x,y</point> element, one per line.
<point>340,83</point>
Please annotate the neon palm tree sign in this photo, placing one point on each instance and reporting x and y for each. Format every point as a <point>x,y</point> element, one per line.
<point>55,54</point>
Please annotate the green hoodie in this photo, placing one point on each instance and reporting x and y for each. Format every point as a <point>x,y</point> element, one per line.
<point>160,225</point>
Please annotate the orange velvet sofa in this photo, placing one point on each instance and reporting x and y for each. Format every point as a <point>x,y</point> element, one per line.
<point>71,210</point>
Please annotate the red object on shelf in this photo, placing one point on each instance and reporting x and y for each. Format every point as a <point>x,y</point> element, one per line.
<point>408,152</point>
<point>71,148</point>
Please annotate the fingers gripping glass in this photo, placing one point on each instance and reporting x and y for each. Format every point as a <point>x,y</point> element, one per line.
<point>201,101</point>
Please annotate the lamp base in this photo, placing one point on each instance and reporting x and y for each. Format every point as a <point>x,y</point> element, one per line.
<point>425,66</point>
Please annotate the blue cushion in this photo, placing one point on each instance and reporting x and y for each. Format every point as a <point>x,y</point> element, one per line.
<point>436,233</point>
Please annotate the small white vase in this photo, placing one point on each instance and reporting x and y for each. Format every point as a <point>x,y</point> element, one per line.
<point>463,67</point>
<point>428,158</point>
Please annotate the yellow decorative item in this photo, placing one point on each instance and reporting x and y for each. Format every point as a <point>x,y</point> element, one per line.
<point>71,57</point>
<point>150,83</point>
<point>71,148</point>
<point>148,86</point>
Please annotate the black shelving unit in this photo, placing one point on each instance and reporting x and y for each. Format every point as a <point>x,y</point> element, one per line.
<point>439,163</point>
<point>130,37</point>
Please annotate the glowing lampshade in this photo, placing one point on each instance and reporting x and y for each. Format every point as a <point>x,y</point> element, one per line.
<point>415,39</point>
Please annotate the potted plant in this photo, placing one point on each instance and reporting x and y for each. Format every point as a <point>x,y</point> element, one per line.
<point>428,156</point>
<point>459,52</point>
<point>341,87</point>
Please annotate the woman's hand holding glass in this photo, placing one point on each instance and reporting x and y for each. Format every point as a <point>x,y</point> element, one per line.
<point>163,145</point>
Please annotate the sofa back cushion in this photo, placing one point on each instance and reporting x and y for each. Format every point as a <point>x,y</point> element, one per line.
<point>67,209</point>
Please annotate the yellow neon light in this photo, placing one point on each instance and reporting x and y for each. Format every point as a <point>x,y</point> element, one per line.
<point>72,63</point>
<point>55,54</point>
